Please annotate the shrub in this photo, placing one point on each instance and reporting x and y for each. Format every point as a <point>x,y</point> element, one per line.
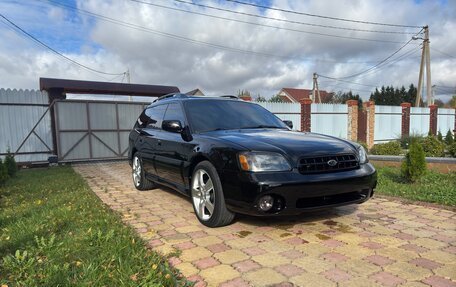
<point>432,147</point>
<point>3,173</point>
<point>389,148</point>
<point>10,164</point>
<point>449,138</point>
<point>414,164</point>
<point>406,141</point>
<point>439,136</point>
<point>452,149</point>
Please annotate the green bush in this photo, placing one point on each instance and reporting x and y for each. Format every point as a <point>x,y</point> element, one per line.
<point>439,136</point>
<point>433,147</point>
<point>414,164</point>
<point>3,173</point>
<point>406,141</point>
<point>10,164</point>
<point>389,148</point>
<point>449,138</point>
<point>452,149</point>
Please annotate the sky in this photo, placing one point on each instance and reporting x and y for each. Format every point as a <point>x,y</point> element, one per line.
<point>164,44</point>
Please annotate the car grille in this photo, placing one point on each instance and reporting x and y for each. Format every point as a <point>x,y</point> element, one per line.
<point>331,163</point>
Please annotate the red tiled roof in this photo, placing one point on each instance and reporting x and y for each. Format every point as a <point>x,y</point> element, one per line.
<point>298,94</point>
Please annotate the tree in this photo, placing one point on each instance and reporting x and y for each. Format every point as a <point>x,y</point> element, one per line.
<point>260,99</point>
<point>439,103</point>
<point>452,102</point>
<point>243,93</point>
<point>342,98</point>
<point>276,99</point>
<point>394,96</point>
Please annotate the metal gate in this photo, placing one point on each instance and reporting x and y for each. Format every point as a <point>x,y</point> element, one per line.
<point>93,130</point>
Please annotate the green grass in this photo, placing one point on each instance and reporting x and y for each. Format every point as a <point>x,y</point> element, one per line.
<point>433,187</point>
<point>55,232</point>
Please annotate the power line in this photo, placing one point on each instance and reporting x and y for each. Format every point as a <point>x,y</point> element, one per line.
<point>345,81</point>
<point>177,37</point>
<point>321,16</point>
<point>376,65</point>
<point>443,53</point>
<point>55,51</point>
<point>274,19</point>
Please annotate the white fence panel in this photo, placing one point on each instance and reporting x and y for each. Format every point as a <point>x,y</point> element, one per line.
<point>445,120</point>
<point>388,123</point>
<point>329,119</point>
<point>20,110</point>
<point>285,111</point>
<point>419,121</point>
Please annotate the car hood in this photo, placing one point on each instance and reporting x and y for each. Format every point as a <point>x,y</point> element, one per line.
<point>289,143</point>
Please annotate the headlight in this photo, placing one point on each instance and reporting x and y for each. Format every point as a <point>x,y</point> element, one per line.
<point>362,155</point>
<point>263,161</point>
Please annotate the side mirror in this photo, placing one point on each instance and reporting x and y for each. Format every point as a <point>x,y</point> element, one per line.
<point>172,126</point>
<point>288,123</point>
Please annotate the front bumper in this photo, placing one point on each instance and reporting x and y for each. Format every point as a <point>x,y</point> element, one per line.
<point>296,192</point>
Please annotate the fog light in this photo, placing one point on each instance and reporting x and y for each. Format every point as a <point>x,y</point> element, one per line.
<point>266,202</point>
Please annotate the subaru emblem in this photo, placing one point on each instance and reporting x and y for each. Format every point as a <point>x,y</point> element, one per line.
<point>332,162</point>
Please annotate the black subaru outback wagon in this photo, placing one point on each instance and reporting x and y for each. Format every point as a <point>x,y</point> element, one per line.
<point>232,156</point>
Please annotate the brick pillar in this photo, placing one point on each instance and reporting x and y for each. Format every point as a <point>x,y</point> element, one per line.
<point>352,120</point>
<point>369,107</point>
<point>433,119</point>
<point>405,131</point>
<point>305,114</point>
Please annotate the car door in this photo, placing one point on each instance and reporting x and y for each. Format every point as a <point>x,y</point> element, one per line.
<point>172,151</point>
<point>149,129</point>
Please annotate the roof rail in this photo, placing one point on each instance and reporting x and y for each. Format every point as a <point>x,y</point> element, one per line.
<point>230,97</point>
<point>173,95</point>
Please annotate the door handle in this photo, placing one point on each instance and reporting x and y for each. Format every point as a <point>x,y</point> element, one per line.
<point>159,142</point>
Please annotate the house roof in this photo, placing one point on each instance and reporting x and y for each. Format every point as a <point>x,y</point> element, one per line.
<point>195,92</point>
<point>299,94</point>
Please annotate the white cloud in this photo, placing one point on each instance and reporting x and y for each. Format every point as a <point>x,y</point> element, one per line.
<point>155,59</point>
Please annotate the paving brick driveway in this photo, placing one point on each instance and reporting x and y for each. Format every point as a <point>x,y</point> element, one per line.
<point>379,243</point>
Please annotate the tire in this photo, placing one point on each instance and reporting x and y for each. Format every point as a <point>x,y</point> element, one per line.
<point>139,179</point>
<point>207,196</point>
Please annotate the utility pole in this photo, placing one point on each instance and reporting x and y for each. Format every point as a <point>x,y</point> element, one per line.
<point>425,62</point>
<point>315,89</point>
<point>127,75</point>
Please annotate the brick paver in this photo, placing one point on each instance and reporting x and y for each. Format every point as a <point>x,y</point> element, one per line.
<point>379,243</point>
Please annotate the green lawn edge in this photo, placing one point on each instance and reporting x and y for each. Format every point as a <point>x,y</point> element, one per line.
<point>433,187</point>
<point>56,232</point>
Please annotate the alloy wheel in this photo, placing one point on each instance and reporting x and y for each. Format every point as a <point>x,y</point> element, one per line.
<point>203,194</point>
<point>136,171</point>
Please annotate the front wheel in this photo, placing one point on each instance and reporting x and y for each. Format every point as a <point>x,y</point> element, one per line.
<point>139,179</point>
<point>207,196</point>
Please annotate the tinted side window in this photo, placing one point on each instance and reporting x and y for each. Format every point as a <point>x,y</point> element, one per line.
<point>155,115</point>
<point>175,112</point>
<point>142,121</point>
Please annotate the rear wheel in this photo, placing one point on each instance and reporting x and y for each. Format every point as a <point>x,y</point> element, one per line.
<point>207,196</point>
<point>139,179</point>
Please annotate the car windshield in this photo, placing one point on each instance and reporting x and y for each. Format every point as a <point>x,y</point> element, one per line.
<point>211,115</point>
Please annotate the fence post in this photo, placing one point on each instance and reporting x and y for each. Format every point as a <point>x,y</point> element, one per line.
<point>369,107</point>
<point>305,115</point>
<point>405,130</point>
<point>433,119</point>
<point>352,120</point>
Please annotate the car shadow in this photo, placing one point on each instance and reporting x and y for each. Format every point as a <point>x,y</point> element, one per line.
<point>305,218</point>
<point>282,222</point>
